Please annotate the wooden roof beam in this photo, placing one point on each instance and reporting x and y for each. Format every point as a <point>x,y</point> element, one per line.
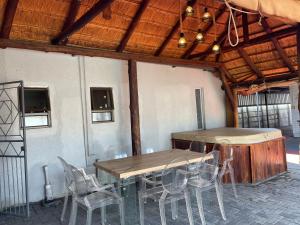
<point>245,27</point>
<point>82,21</point>
<point>94,52</point>
<point>227,88</point>
<point>207,29</point>
<point>277,46</point>
<point>133,25</point>
<point>9,14</point>
<point>258,40</point>
<point>172,32</point>
<point>248,60</point>
<point>72,13</point>
<point>282,77</point>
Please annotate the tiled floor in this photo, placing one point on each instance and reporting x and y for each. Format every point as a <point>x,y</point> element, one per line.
<point>275,202</point>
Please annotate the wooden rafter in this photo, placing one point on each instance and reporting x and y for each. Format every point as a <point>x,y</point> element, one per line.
<point>245,27</point>
<point>72,50</point>
<point>248,60</point>
<point>277,46</point>
<point>227,88</point>
<point>133,25</point>
<point>172,32</point>
<point>72,13</point>
<point>207,29</point>
<point>277,78</point>
<point>258,40</point>
<point>227,74</point>
<point>243,53</point>
<point>9,14</point>
<point>82,21</point>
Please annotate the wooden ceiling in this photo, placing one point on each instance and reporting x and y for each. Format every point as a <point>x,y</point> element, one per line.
<point>151,28</point>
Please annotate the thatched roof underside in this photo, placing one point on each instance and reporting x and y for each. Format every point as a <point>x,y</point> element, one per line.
<point>43,20</point>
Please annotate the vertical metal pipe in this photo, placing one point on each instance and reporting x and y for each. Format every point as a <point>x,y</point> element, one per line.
<point>257,109</point>
<point>25,150</point>
<point>267,109</point>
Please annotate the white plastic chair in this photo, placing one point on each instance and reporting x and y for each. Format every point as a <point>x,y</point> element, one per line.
<point>93,185</point>
<point>174,183</point>
<point>206,178</point>
<point>90,201</point>
<point>197,146</point>
<point>226,167</point>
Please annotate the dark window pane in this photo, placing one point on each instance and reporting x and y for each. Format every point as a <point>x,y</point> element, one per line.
<point>101,99</point>
<point>36,100</point>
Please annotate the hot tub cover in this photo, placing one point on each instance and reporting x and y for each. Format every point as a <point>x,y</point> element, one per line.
<point>230,135</point>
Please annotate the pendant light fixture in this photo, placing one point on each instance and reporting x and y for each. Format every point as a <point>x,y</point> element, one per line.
<point>182,43</point>
<point>189,11</point>
<point>216,48</point>
<point>206,17</point>
<point>199,35</point>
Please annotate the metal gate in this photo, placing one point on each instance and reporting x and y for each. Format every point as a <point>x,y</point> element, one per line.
<point>13,158</point>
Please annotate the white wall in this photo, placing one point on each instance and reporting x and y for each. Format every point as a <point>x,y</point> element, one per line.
<point>167,104</point>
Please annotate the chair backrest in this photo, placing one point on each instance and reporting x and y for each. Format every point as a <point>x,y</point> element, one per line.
<point>81,185</point>
<point>227,149</point>
<point>67,172</point>
<point>174,179</point>
<point>197,146</point>
<point>210,167</point>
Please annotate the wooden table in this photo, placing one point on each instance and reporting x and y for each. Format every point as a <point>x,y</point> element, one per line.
<point>147,163</point>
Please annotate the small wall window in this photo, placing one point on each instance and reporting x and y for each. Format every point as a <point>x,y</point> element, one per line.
<point>102,105</point>
<point>37,107</point>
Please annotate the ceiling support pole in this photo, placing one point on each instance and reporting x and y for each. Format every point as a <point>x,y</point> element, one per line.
<point>134,108</point>
<point>298,61</point>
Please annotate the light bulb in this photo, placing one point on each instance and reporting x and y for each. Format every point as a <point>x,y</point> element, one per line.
<point>189,11</point>
<point>200,36</point>
<point>216,48</point>
<point>182,41</point>
<point>207,17</point>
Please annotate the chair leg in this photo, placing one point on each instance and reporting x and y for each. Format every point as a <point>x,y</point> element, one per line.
<point>162,211</point>
<point>73,215</point>
<point>200,206</point>
<point>62,217</point>
<point>122,212</point>
<point>188,206</point>
<point>174,209</point>
<point>220,199</point>
<point>103,215</point>
<point>89,214</point>
<point>231,172</point>
<point>141,208</point>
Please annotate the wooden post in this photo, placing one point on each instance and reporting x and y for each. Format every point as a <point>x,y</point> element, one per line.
<point>235,109</point>
<point>134,108</point>
<point>298,61</point>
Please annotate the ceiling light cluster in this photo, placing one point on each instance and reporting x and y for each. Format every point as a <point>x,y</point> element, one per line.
<point>205,17</point>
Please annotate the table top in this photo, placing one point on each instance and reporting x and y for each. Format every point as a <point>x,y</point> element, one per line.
<point>230,135</point>
<point>147,163</point>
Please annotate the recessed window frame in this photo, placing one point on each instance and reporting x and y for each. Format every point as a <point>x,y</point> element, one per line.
<point>109,109</point>
<point>33,114</point>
